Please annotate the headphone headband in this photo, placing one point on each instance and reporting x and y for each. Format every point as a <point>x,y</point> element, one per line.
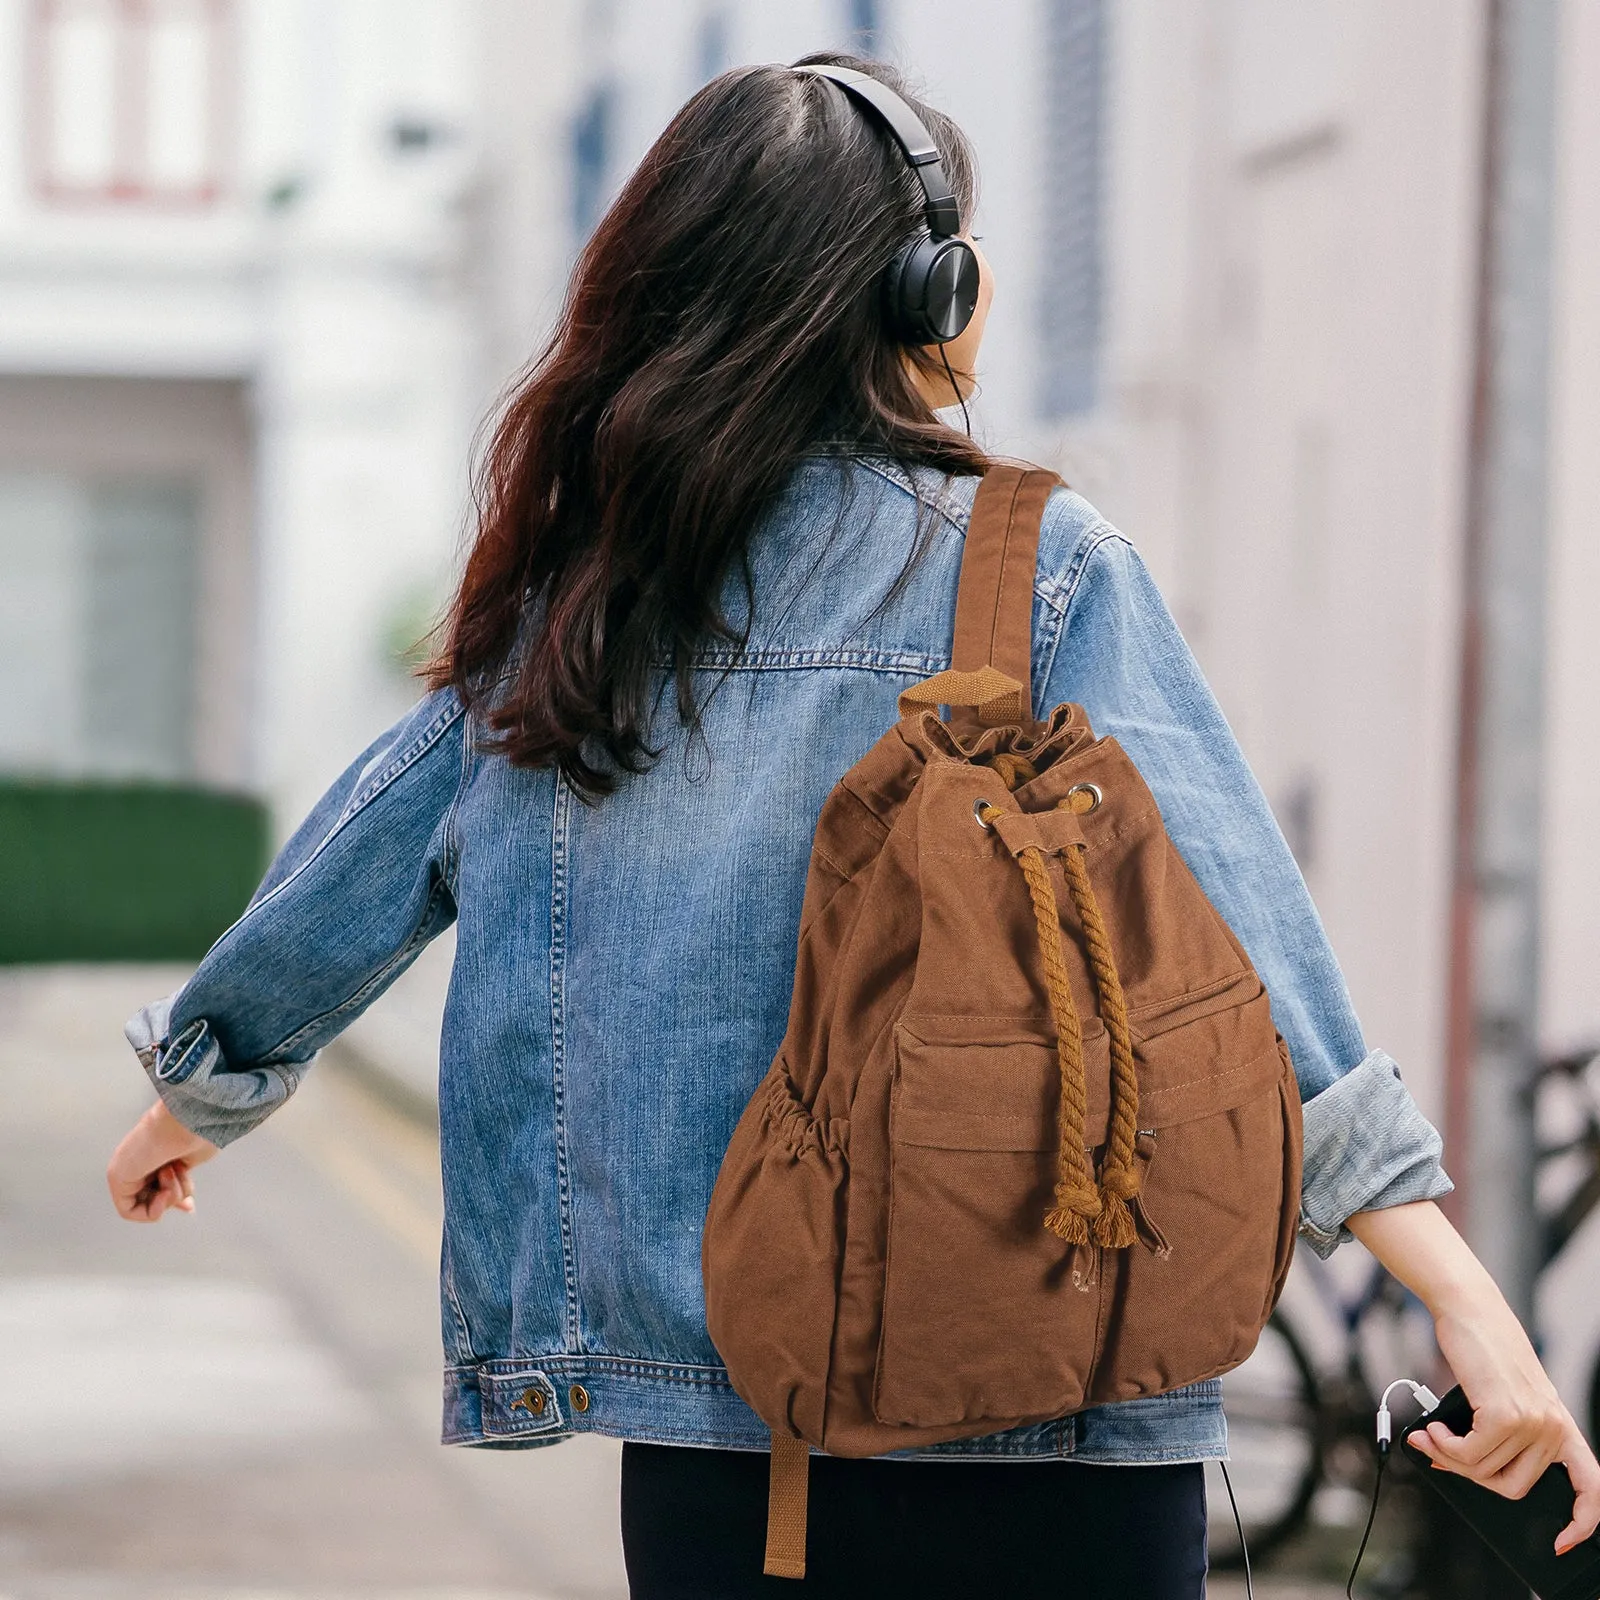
<point>911,134</point>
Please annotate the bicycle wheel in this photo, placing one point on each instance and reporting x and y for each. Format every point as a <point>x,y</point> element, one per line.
<point>1274,1448</point>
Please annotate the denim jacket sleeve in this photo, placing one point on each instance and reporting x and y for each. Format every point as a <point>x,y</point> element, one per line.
<point>365,882</point>
<point>1120,655</point>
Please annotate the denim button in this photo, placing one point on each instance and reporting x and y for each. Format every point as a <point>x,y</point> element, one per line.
<point>531,1401</point>
<point>579,1396</point>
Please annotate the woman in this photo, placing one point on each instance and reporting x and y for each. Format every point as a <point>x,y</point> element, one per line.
<point>725,478</point>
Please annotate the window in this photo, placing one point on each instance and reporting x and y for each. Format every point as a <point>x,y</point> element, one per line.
<point>591,157</point>
<point>712,54</point>
<point>864,26</point>
<point>1071,202</point>
<point>128,100</point>
<point>98,579</point>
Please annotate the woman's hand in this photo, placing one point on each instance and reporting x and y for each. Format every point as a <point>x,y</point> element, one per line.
<point>1519,1425</point>
<point>149,1171</point>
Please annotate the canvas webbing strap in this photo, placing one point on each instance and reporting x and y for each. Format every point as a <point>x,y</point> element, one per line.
<point>994,598</point>
<point>786,1507</point>
<point>996,698</point>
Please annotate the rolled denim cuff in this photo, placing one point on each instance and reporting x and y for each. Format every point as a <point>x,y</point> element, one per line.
<point>193,1078</point>
<point>1367,1146</point>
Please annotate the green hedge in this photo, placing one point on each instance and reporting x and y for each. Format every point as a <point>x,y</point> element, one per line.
<point>123,872</point>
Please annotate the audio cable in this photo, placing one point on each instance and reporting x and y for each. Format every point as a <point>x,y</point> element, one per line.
<point>961,399</point>
<point>1427,1400</point>
<point>1238,1522</point>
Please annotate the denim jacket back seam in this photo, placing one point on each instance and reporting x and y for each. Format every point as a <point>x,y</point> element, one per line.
<point>450,851</point>
<point>560,827</point>
<point>805,660</point>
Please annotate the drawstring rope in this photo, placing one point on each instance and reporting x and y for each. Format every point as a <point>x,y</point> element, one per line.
<point>1083,1213</point>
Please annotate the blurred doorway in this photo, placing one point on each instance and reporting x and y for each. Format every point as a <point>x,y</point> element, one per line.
<point>127,825</point>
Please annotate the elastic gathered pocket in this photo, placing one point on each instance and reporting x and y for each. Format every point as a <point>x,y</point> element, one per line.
<point>771,1251</point>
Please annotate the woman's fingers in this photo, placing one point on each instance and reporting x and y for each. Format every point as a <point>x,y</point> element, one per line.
<point>149,1172</point>
<point>148,1197</point>
<point>134,1197</point>
<point>175,1186</point>
<point>1485,1451</point>
<point>1510,1459</point>
<point>1516,1479</point>
<point>1584,1471</point>
<point>1500,1433</point>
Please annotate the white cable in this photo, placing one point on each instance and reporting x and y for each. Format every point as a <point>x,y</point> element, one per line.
<point>1426,1399</point>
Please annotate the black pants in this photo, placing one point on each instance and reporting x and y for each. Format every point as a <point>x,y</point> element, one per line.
<point>694,1528</point>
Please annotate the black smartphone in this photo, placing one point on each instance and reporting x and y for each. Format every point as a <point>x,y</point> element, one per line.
<point>1521,1532</point>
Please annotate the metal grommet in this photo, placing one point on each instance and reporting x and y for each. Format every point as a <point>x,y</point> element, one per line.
<point>1092,790</point>
<point>579,1396</point>
<point>978,806</point>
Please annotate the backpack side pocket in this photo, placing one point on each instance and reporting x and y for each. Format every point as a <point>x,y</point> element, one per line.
<point>771,1253</point>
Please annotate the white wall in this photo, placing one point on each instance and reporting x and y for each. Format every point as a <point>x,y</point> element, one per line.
<point>1291,209</point>
<point>1572,841</point>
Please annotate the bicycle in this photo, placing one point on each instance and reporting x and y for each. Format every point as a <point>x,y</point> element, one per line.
<point>1299,1426</point>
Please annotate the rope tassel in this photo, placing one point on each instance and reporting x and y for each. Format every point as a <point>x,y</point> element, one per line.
<point>1078,1201</point>
<point>1120,1174</point>
<point>1084,1213</point>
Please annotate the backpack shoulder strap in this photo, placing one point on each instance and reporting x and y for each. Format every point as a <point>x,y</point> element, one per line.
<point>994,598</point>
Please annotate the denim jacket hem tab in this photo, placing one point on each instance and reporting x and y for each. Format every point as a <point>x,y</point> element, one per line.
<point>1367,1146</point>
<point>523,1404</point>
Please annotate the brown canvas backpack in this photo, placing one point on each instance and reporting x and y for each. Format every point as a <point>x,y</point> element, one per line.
<point>1031,1141</point>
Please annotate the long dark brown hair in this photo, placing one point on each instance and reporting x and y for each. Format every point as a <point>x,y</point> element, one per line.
<point>723,321</point>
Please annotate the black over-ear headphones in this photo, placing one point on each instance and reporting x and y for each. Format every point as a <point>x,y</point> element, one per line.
<point>931,286</point>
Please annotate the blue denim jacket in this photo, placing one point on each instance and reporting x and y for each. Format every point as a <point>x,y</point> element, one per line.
<point>622,972</point>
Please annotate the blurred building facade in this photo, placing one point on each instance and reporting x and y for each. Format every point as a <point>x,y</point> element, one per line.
<point>237,335</point>
<point>264,265</point>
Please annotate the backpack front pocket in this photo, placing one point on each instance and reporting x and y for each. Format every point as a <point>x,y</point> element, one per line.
<point>1222,1179</point>
<point>982,1319</point>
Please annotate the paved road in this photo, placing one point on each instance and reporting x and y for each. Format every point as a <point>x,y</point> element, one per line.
<point>243,1404</point>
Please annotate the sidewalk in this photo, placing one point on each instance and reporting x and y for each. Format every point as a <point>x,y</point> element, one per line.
<point>243,1404</point>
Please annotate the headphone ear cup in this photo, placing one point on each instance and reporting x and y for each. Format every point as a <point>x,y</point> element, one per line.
<point>931,289</point>
<point>899,307</point>
<point>951,294</point>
